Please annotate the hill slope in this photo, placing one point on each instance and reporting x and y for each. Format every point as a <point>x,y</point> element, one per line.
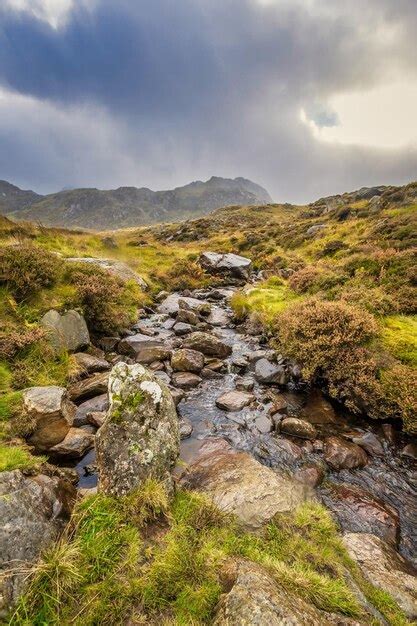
<point>14,199</point>
<point>129,206</point>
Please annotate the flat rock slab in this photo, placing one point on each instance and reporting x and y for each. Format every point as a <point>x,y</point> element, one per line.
<point>239,484</point>
<point>89,387</point>
<point>115,268</point>
<point>89,364</point>
<point>385,568</point>
<point>185,380</point>
<point>133,346</point>
<point>234,400</point>
<point>75,444</point>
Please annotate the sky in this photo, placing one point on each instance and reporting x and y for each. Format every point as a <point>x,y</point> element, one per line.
<point>305,97</point>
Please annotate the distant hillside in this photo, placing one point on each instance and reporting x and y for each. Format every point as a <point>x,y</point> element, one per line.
<point>129,206</point>
<point>14,199</point>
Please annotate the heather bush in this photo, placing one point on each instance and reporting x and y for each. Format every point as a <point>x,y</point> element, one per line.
<point>304,279</point>
<point>25,269</point>
<point>315,332</point>
<point>14,341</point>
<point>108,305</point>
<point>186,274</point>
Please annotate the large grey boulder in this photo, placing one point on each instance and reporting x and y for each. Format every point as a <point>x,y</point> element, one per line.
<point>66,332</point>
<point>385,568</point>
<point>49,414</point>
<point>226,264</point>
<point>207,344</point>
<point>255,599</point>
<point>33,512</point>
<point>239,484</point>
<point>115,268</point>
<point>139,438</point>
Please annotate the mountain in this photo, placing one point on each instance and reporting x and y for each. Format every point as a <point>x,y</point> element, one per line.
<point>129,206</point>
<point>14,199</point>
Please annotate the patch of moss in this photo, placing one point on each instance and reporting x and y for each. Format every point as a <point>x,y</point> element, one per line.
<point>399,336</point>
<point>128,404</point>
<point>15,457</point>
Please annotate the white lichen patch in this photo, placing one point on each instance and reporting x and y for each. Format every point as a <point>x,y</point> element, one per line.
<point>153,389</point>
<point>120,375</point>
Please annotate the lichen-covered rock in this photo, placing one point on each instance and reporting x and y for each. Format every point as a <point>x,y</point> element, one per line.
<point>140,437</point>
<point>239,484</point>
<point>50,415</point>
<point>385,568</point>
<point>255,599</point>
<point>33,511</point>
<point>68,331</point>
<point>207,344</point>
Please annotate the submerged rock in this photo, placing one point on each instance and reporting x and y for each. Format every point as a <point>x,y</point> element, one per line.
<point>239,484</point>
<point>33,512</point>
<point>67,332</point>
<point>140,437</point>
<point>385,568</point>
<point>50,415</point>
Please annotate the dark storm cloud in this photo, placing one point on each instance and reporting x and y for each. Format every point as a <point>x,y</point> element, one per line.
<point>159,92</point>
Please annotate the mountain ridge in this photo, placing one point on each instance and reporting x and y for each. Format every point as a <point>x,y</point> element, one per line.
<point>123,207</point>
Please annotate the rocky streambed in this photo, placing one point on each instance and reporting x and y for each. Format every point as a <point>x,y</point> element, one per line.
<point>228,384</point>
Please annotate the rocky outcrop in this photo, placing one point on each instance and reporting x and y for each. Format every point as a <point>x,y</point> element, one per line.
<point>208,344</point>
<point>358,511</point>
<point>385,568</point>
<point>33,511</point>
<point>239,484</point>
<point>115,268</point>
<point>66,332</point>
<point>139,438</point>
<point>256,599</point>
<point>226,264</point>
<point>49,415</point>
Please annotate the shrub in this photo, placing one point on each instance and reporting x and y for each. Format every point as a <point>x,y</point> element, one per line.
<point>304,279</point>
<point>25,269</point>
<point>315,332</point>
<point>399,387</point>
<point>186,274</point>
<point>11,343</point>
<point>106,302</point>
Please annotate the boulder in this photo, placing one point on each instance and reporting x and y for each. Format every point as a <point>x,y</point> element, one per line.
<point>245,383</point>
<point>188,317</point>
<point>226,264</point>
<point>33,512</point>
<point>207,344</point>
<point>115,268</point>
<point>89,364</point>
<point>153,353</point>
<point>298,428</point>
<point>98,403</point>
<point>385,568</point>
<point>171,304</point>
<point>50,415</point>
<point>181,328</point>
<point>66,332</point>
<point>74,445</point>
<point>369,442</point>
<point>256,599</point>
<point>186,360</point>
<point>89,387</point>
<point>270,373</point>
<point>140,437</point>
<point>132,346</point>
<point>358,510</point>
<point>263,424</point>
<point>239,484</point>
<point>341,454</point>
<point>185,380</point>
<point>234,400</point>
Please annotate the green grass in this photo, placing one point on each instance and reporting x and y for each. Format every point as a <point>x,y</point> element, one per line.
<point>399,336</point>
<point>111,564</point>
<point>12,458</point>
<point>269,299</point>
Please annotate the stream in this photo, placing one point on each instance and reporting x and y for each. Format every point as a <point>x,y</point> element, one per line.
<point>378,498</point>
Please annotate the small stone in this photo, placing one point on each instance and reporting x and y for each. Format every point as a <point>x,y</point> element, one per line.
<point>89,364</point>
<point>263,424</point>
<point>50,414</point>
<point>369,442</point>
<point>186,428</point>
<point>298,428</point>
<point>96,418</point>
<point>311,475</point>
<point>97,404</point>
<point>389,433</point>
<point>244,384</point>
<point>181,328</point>
<point>234,400</point>
<point>410,451</point>
<point>154,353</point>
<point>132,346</point>
<point>208,374</point>
<point>188,317</point>
<point>185,380</point>
<point>218,317</point>
<point>177,395</point>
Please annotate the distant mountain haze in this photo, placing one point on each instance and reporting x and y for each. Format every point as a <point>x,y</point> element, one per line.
<point>128,206</point>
